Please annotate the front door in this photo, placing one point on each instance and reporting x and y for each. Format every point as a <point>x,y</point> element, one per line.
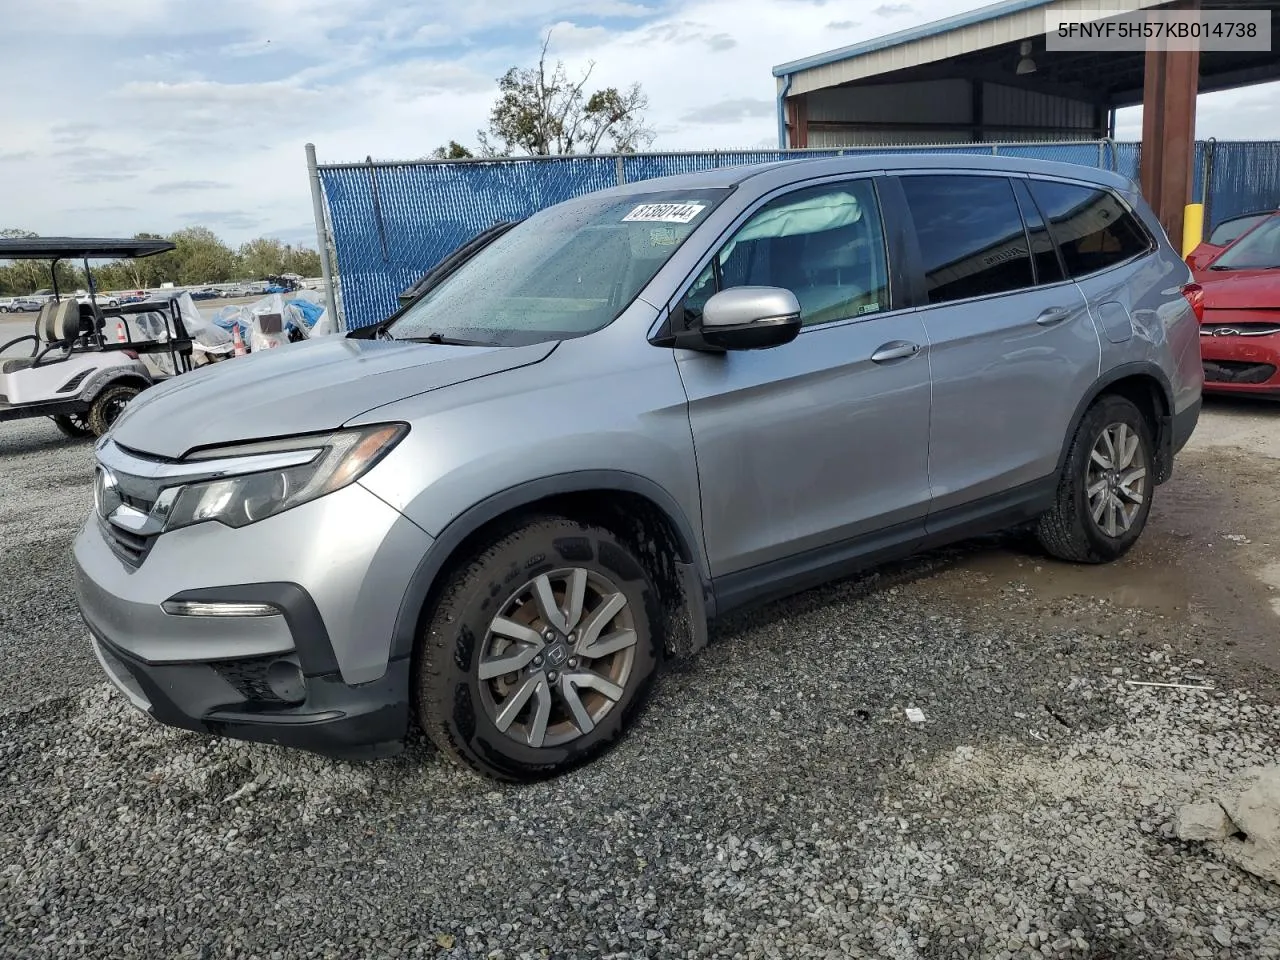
<point>824,439</point>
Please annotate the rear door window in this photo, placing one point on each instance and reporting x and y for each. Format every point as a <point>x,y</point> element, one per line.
<point>972,241</point>
<point>1093,229</point>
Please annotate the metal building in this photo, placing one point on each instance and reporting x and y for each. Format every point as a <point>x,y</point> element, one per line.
<point>987,75</point>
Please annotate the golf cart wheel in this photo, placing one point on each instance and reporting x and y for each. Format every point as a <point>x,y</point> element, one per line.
<point>1104,495</point>
<point>73,425</point>
<point>539,650</point>
<point>108,405</point>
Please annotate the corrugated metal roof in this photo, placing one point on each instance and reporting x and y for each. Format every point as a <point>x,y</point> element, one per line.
<point>981,15</point>
<point>980,29</point>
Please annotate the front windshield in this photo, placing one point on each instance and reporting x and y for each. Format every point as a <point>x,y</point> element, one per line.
<point>566,271</point>
<point>1230,230</point>
<point>1259,249</point>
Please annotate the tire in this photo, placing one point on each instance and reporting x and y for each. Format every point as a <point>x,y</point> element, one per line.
<point>1074,529</point>
<point>464,715</point>
<point>108,405</point>
<point>73,425</point>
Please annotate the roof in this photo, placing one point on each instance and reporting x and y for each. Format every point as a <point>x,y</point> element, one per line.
<point>79,248</point>
<point>856,161</point>
<point>981,15</point>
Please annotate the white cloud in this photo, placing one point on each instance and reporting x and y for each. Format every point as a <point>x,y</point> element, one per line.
<point>142,114</point>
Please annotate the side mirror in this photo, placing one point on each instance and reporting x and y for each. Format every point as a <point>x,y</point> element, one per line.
<point>750,318</point>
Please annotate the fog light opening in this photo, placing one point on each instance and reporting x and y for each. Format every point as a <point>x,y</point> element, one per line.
<point>286,681</point>
<point>200,608</point>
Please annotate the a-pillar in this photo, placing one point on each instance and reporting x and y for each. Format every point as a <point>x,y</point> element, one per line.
<point>1168,133</point>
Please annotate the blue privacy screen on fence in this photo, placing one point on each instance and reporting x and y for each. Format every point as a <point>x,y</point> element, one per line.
<point>391,222</point>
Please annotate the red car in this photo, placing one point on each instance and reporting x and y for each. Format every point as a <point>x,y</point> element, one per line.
<point>1240,325</point>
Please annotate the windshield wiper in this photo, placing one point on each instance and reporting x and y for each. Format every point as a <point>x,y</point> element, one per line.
<point>441,338</point>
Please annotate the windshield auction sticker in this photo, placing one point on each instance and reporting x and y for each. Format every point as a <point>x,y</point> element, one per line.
<point>665,213</point>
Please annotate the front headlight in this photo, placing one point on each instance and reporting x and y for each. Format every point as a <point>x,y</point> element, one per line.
<point>340,459</point>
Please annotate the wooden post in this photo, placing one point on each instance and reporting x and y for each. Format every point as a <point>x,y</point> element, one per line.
<point>1168,133</point>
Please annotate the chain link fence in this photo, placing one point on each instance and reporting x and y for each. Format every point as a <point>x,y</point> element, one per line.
<point>390,222</point>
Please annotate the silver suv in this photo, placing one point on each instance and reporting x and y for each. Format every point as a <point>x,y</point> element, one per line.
<point>500,510</point>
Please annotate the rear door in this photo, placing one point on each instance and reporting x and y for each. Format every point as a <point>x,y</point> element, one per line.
<point>1012,346</point>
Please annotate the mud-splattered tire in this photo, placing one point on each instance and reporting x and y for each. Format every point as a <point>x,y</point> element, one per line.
<point>108,405</point>
<point>1104,493</point>
<point>539,650</point>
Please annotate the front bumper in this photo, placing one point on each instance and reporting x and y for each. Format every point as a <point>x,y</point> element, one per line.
<point>1241,364</point>
<point>320,675</point>
<point>229,699</point>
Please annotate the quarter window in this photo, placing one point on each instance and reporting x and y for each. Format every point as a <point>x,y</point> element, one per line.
<point>1092,227</point>
<point>972,242</point>
<point>824,244</point>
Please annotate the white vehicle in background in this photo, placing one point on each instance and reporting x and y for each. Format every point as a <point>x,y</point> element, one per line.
<point>83,365</point>
<point>101,299</point>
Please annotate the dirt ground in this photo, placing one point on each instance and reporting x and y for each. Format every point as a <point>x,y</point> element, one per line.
<point>1206,571</point>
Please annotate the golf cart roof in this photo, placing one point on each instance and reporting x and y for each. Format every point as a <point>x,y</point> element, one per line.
<point>76,248</point>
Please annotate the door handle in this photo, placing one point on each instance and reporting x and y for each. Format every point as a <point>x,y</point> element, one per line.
<point>1051,315</point>
<point>895,350</point>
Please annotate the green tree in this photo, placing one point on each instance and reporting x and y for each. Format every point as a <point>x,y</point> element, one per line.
<point>542,111</point>
<point>303,261</point>
<point>262,257</point>
<point>453,150</point>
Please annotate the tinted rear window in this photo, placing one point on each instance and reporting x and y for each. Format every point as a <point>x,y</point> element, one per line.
<point>971,239</point>
<point>1091,226</point>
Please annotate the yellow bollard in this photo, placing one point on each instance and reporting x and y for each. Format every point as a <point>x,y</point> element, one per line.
<point>1192,227</point>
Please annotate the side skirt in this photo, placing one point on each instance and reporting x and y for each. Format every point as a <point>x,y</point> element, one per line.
<point>771,581</point>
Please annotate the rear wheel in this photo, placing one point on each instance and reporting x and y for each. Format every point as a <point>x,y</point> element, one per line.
<point>539,651</point>
<point>108,405</point>
<point>1104,495</point>
<point>73,425</point>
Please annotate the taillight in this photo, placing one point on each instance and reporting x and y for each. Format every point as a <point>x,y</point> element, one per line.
<point>1195,296</point>
<point>131,354</point>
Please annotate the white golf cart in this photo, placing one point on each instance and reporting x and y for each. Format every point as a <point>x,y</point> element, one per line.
<point>84,364</point>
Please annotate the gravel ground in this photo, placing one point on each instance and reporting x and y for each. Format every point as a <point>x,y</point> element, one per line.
<point>773,801</point>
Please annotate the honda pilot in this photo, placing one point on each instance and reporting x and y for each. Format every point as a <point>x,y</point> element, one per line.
<point>498,512</point>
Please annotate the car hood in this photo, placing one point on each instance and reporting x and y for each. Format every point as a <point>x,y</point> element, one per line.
<point>1240,289</point>
<point>301,388</point>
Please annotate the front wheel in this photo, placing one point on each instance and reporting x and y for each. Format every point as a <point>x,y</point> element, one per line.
<point>539,650</point>
<point>1104,494</point>
<point>108,405</point>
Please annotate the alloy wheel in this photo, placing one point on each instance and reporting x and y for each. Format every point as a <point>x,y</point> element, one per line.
<point>557,657</point>
<point>1117,479</point>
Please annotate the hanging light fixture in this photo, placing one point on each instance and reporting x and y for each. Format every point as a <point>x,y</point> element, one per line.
<point>1026,64</point>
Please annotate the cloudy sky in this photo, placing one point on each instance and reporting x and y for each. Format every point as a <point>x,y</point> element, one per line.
<point>127,115</point>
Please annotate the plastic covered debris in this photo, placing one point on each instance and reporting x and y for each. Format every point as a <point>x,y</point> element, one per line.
<point>275,320</point>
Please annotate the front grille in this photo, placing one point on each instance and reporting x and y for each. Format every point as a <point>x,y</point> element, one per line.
<point>138,503</point>
<point>129,547</point>
<point>1245,329</point>
<point>249,677</point>
<point>1237,371</point>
